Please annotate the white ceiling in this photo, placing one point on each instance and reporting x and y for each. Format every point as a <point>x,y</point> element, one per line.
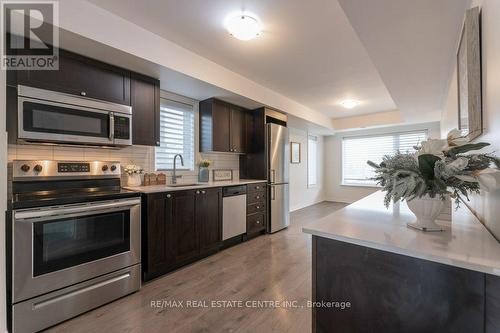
<point>310,50</point>
<point>413,45</point>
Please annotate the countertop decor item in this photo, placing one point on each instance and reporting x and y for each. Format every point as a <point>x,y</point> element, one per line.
<point>438,169</point>
<point>203,173</point>
<point>161,178</point>
<point>134,174</point>
<point>222,175</point>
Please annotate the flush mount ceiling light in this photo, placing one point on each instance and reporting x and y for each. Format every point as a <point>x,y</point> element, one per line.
<point>243,25</point>
<point>349,103</point>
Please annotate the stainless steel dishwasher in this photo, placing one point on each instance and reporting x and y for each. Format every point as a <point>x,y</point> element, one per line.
<point>234,211</point>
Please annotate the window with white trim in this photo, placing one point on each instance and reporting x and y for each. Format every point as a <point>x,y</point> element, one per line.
<point>312,160</point>
<point>356,151</point>
<point>177,135</point>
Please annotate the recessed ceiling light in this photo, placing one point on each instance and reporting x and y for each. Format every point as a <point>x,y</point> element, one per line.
<point>243,25</point>
<point>349,103</point>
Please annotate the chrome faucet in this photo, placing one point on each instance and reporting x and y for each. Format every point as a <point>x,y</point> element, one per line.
<point>174,176</point>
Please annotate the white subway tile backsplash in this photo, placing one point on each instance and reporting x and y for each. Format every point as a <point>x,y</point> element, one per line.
<point>139,155</point>
<point>68,153</point>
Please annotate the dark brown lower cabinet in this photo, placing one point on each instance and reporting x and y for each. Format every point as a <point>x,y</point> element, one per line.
<point>389,292</point>
<point>178,228</point>
<point>209,219</point>
<point>184,227</point>
<point>157,230</point>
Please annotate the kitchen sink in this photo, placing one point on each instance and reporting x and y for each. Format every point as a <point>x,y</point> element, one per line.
<point>182,185</point>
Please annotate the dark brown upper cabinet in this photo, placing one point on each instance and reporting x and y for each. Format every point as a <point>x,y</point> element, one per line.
<point>222,127</point>
<point>145,98</point>
<point>79,75</point>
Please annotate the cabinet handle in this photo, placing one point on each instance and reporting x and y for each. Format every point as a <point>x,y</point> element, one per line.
<point>203,192</point>
<point>258,222</point>
<point>258,207</point>
<point>257,187</point>
<point>257,197</point>
<point>197,192</point>
<point>83,93</point>
<point>169,195</point>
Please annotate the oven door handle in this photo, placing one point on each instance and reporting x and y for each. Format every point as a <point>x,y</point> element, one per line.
<point>83,210</point>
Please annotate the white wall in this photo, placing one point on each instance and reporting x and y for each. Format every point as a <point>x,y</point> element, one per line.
<point>335,191</point>
<point>486,205</point>
<point>300,194</point>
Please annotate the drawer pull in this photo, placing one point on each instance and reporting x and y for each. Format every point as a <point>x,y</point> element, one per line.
<point>257,197</point>
<point>203,192</point>
<point>258,222</point>
<point>169,195</point>
<point>197,192</point>
<point>257,187</point>
<point>258,207</point>
<point>83,93</point>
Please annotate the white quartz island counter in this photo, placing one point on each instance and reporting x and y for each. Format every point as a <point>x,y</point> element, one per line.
<point>167,188</point>
<point>464,243</point>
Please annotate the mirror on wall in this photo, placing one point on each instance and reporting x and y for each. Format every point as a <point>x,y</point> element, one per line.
<point>469,76</point>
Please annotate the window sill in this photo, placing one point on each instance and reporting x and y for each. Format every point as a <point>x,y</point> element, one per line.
<point>360,185</point>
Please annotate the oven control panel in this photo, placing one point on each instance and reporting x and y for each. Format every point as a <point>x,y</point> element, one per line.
<point>24,169</point>
<point>73,167</point>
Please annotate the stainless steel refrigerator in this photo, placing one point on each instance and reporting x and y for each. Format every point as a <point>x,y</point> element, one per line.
<point>278,150</point>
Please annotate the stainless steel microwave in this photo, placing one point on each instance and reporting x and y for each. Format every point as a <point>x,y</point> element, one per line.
<point>54,117</point>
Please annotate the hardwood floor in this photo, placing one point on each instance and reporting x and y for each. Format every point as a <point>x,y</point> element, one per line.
<point>273,267</point>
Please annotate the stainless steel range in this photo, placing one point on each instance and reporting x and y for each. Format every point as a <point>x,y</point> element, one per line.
<point>75,240</point>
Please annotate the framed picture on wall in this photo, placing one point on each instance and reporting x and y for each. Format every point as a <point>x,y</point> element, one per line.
<point>295,152</point>
<point>470,118</point>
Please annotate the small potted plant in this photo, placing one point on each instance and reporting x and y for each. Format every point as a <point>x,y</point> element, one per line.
<point>438,169</point>
<point>134,174</point>
<point>203,174</point>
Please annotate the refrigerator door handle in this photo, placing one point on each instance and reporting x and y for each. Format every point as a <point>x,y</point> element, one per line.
<point>273,192</point>
<point>273,176</point>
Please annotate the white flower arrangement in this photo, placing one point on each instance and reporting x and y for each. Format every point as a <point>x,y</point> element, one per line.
<point>133,169</point>
<point>440,167</point>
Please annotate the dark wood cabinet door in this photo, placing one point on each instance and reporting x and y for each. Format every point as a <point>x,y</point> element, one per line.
<point>221,127</point>
<point>79,75</point>
<point>185,237</point>
<point>209,218</point>
<point>237,130</point>
<point>158,226</point>
<point>145,99</point>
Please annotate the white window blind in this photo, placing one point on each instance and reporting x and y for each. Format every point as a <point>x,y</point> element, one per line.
<point>312,160</point>
<point>356,151</point>
<point>176,135</point>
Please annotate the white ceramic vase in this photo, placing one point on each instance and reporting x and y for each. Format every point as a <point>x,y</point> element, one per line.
<point>134,179</point>
<point>426,209</point>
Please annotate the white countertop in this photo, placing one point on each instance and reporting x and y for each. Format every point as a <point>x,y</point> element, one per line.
<point>465,242</point>
<point>167,188</point>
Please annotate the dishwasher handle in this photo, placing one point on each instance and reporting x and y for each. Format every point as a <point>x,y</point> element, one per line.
<point>234,190</point>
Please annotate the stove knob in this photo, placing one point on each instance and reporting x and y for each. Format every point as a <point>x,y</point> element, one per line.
<point>25,167</point>
<point>104,167</point>
<point>113,167</point>
<point>38,168</point>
